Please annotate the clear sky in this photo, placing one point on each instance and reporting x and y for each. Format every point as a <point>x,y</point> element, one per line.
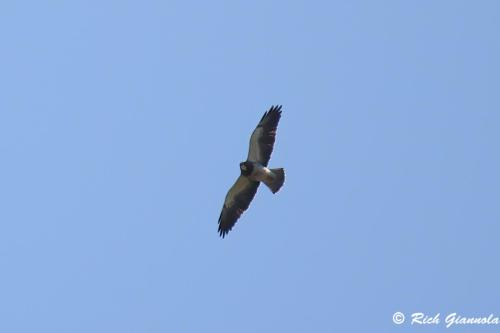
<point>122,124</point>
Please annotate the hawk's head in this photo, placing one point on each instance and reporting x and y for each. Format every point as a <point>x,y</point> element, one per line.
<point>246,168</point>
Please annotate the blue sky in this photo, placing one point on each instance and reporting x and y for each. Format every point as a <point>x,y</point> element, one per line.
<point>122,124</point>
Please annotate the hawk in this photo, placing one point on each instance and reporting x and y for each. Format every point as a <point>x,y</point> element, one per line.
<point>253,171</point>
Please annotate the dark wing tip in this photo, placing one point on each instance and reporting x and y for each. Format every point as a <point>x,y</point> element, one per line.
<point>274,112</point>
<point>223,233</point>
<point>272,115</point>
<point>276,108</point>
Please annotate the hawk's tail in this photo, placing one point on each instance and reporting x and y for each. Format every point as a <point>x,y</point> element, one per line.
<point>276,181</point>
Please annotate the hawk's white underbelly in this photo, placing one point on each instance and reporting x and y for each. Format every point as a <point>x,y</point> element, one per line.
<point>261,173</point>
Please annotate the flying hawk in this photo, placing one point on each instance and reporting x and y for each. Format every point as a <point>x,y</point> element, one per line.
<point>253,171</point>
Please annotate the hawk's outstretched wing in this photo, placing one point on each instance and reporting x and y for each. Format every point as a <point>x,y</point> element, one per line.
<point>262,139</point>
<point>237,201</point>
